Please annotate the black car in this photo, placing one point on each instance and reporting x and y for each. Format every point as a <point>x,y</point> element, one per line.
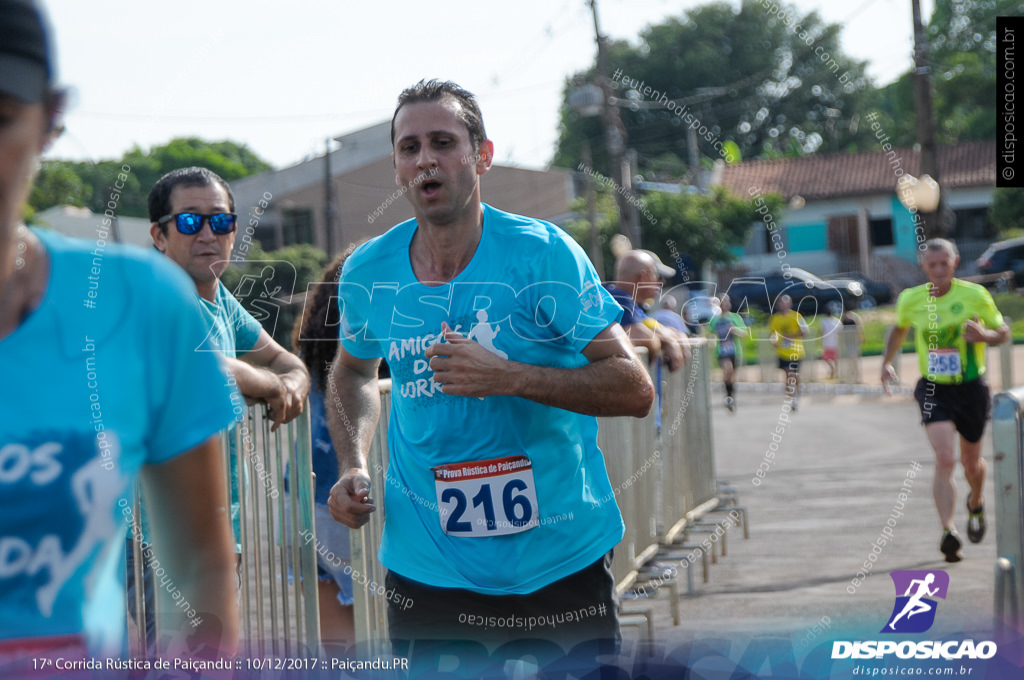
<point>875,292</point>
<point>811,294</point>
<point>1004,256</point>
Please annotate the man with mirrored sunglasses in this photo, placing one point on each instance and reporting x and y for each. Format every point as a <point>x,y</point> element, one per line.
<point>192,211</point>
<point>201,208</point>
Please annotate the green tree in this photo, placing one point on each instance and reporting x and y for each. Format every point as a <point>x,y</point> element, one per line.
<point>703,227</point>
<point>962,49</point>
<point>1005,213</point>
<point>95,184</point>
<point>773,86</point>
<point>265,281</point>
<point>59,183</point>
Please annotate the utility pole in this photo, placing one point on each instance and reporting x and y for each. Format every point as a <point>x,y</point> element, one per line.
<point>328,202</point>
<point>596,255</point>
<point>941,221</point>
<point>615,138</point>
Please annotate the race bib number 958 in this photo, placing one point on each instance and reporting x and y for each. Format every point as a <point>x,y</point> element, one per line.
<point>944,362</point>
<point>487,497</point>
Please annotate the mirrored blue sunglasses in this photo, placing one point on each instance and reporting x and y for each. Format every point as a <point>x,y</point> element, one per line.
<point>191,223</point>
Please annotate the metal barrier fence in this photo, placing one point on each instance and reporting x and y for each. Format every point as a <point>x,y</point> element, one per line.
<point>661,469</point>
<point>278,608</point>
<point>1008,460</point>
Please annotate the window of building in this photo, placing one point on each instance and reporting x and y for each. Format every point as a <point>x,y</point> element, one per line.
<point>297,226</point>
<point>881,231</point>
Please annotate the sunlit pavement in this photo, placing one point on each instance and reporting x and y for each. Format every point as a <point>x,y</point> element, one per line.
<point>825,499</point>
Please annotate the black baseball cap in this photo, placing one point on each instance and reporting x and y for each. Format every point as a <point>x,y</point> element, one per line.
<point>26,65</point>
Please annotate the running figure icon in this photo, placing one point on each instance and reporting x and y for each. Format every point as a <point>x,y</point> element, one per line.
<point>483,333</point>
<point>914,604</point>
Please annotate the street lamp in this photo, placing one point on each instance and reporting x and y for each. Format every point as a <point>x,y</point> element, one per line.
<point>919,195</point>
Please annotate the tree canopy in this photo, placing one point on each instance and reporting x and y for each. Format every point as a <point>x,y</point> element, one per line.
<point>772,83</point>
<point>89,185</point>
<point>962,51</point>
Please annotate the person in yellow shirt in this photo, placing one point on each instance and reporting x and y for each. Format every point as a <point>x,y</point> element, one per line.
<point>787,327</point>
<point>953,320</point>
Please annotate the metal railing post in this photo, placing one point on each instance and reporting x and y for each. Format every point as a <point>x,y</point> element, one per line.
<point>1008,452</point>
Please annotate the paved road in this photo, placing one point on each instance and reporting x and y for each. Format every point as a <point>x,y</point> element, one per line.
<point>823,502</point>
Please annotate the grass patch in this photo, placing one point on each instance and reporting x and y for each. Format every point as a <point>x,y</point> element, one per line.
<point>878,321</point>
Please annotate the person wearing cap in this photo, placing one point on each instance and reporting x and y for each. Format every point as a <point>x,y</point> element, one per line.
<point>103,386</point>
<point>638,275</point>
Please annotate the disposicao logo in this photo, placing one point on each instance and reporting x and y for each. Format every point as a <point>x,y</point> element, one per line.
<point>914,612</point>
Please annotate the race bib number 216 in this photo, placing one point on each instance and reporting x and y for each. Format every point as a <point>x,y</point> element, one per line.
<point>487,497</point>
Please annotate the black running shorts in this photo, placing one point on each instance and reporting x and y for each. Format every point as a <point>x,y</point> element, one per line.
<point>968,405</point>
<point>580,607</point>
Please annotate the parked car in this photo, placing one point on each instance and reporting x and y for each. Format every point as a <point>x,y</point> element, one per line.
<point>811,294</point>
<point>699,310</point>
<point>875,292</point>
<point>1004,256</point>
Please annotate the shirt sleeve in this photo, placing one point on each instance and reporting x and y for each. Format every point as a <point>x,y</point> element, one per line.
<point>247,328</point>
<point>569,294</point>
<point>631,313</point>
<point>903,319</point>
<point>987,310</point>
<point>191,396</point>
<point>353,299</point>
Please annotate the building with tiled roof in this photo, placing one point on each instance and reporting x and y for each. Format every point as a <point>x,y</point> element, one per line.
<point>839,202</point>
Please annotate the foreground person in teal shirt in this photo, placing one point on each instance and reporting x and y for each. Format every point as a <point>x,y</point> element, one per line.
<point>102,384</point>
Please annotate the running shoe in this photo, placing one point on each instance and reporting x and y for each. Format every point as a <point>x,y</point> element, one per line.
<point>730,404</point>
<point>975,522</point>
<point>950,545</point>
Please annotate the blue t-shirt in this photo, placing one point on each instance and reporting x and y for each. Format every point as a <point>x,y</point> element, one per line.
<point>100,379</point>
<point>632,313</point>
<point>667,317</point>
<point>233,330</point>
<point>528,294</point>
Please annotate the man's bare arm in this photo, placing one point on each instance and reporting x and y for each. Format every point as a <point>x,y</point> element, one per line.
<point>614,383</point>
<point>352,403</point>
<point>275,375</point>
<point>641,336</point>
<point>190,517</point>
<point>975,332</point>
<point>892,345</point>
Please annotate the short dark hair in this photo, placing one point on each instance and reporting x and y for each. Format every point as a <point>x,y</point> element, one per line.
<point>434,90</point>
<point>160,194</point>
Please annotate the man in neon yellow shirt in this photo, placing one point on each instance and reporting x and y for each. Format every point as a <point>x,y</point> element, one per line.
<point>953,320</point>
<point>787,327</point>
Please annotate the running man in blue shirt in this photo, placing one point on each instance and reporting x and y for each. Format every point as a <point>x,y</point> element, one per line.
<point>494,475</point>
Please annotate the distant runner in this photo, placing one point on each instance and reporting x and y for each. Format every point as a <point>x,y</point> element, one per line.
<point>729,328</point>
<point>787,328</point>
<point>953,320</point>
